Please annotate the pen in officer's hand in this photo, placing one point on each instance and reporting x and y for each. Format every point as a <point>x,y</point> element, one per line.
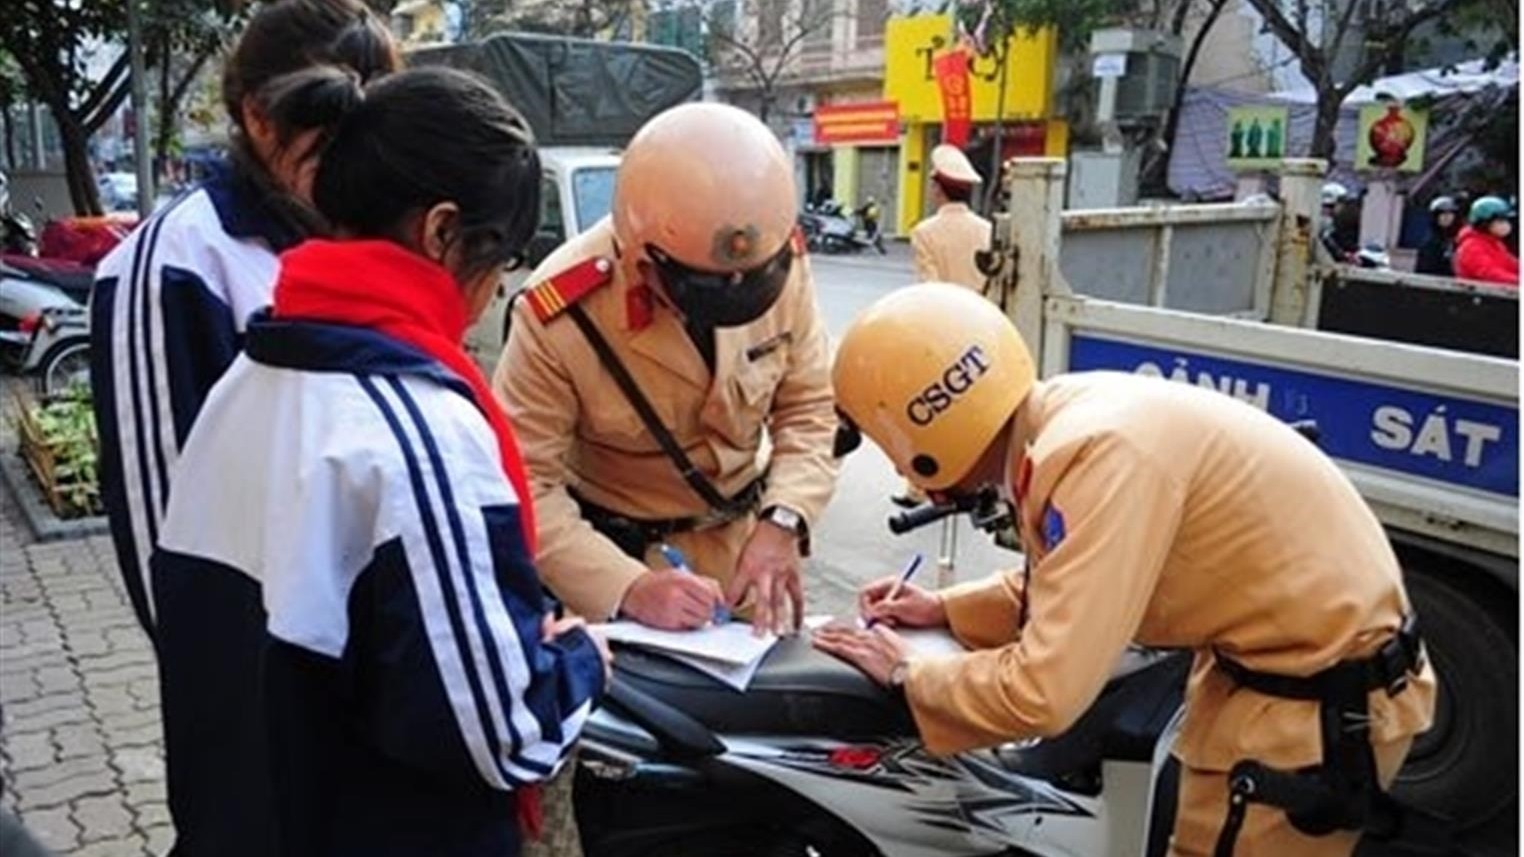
<point>675,558</point>
<point>894,592</point>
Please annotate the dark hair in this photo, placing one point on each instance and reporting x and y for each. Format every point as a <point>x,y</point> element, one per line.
<point>411,141</point>
<point>289,35</point>
<point>954,191</point>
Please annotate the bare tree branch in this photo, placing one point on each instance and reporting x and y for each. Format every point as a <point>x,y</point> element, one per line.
<point>1373,64</point>
<point>1291,35</point>
<point>1342,29</point>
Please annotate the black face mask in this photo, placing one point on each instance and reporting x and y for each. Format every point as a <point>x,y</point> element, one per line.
<point>713,299</point>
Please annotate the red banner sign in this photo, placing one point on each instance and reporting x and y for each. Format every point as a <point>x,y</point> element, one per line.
<point>871,122</point>
<point>951,70</point>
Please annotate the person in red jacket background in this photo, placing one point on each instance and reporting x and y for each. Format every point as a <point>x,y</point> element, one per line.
<point>1480,253</point>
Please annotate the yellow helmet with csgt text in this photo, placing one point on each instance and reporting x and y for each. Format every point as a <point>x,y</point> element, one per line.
<point>932,373</point>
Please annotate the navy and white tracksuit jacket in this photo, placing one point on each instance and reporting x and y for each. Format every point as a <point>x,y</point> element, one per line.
<point>166,319</point>
<point>348,617</point>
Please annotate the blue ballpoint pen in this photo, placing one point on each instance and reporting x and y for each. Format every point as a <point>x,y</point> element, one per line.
<point>675,558</point>
<point>909,572</point>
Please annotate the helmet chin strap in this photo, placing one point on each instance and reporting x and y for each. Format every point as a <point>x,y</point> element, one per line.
<point>641,272</point>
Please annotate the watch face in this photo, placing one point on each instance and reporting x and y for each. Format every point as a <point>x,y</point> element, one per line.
<point>784,517</point>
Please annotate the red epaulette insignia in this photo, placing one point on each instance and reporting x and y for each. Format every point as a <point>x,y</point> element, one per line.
<point>551,298</point>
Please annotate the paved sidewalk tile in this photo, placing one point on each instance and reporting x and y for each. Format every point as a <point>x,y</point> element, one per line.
<point>81,745</point>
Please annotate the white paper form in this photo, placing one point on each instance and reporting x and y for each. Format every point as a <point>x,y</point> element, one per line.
<point>731,644</point>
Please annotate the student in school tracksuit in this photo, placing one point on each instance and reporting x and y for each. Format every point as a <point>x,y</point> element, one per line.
<point>170,302</point>
<point>356,656</point>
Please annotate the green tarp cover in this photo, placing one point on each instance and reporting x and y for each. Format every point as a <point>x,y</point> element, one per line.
<point>577,92</point>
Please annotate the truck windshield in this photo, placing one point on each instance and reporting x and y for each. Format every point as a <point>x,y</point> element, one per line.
<point>593,192</point>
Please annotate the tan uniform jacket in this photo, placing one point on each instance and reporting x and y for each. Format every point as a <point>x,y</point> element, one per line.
<point>1176,517</point>
<point>945,244</point>
<point>577,429</point>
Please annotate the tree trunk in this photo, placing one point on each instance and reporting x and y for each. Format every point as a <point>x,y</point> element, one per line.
<point>1324,144</point>
<point>1155,178</point>
<point>80,175</point>
<point>166,117</point>
<point>10,137</point>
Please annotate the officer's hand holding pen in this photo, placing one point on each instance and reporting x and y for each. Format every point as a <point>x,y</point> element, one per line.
<point>897,603</point>
<point>672,600</point>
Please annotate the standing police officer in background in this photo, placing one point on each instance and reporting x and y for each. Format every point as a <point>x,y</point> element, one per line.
<point>648,359</point>
<point>1154,512</point>
<point>945,243</point>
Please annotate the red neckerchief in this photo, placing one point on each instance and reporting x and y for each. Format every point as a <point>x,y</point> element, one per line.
<point>383,286</point>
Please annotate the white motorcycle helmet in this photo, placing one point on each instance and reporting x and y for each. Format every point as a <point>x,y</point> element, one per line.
<point>1333,193</point>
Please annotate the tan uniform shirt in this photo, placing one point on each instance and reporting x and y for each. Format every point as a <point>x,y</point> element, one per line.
<point>1175,517</point>
<point>945,244</point>
<point>578,431</point>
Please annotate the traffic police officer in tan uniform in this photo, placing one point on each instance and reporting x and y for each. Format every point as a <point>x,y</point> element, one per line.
<point>945,243</point>
<point>693,303</point>
<point>1152,512</point>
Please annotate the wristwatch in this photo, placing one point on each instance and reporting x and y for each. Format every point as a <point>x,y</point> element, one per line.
<point>786,518</point>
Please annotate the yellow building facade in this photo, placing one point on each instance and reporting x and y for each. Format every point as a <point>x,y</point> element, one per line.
<point>911,46</point>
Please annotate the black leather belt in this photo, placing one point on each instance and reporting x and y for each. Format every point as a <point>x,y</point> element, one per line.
<point>1389,669</point>
<point>635,535</point>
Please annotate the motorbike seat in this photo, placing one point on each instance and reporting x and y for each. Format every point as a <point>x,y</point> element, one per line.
<point>796,691</point>
<point>71,278</point>
<point>1123,724</point>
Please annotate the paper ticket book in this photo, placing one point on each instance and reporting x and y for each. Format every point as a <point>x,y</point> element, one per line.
<point>731,654</point>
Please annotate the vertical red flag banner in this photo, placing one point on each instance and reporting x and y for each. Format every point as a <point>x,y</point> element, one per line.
<point>951,70</point>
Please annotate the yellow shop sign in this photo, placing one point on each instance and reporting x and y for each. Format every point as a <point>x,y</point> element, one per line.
<point>912,43</point>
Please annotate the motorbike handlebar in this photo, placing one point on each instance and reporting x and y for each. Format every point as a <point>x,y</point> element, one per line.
<point>920,516</point>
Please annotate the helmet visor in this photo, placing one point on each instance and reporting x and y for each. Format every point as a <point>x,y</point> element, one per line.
<point>723,298</point>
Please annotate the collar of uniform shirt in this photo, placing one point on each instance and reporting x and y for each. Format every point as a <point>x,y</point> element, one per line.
<point>1018,445</point>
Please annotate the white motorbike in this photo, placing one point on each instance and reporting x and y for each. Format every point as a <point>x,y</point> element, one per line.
<point>44,324</point>
<point>814,758</point>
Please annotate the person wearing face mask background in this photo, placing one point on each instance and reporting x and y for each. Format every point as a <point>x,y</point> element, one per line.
<point>1481,252</point>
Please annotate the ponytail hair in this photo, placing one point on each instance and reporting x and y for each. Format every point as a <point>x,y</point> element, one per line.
<point>411,141</point>
<point>316,98</point>
<point>286,36</point>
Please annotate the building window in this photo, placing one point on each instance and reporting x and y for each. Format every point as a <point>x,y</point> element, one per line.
<point>871,17</point>
<point>815,19</point>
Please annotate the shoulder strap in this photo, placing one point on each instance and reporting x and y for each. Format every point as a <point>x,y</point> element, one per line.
<point>669,445</point>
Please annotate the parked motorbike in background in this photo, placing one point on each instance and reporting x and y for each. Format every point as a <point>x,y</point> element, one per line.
<point>868,222</point>
<point>829,228</point>
<point>44,325</point>
<point>44,292</point>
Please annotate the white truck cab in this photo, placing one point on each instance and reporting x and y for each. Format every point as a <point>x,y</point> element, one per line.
<point>576,191</point>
